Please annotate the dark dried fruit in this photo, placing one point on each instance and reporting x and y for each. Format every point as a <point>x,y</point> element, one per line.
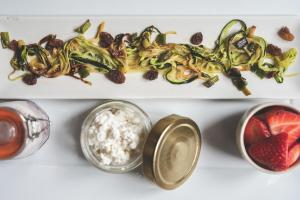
<point>30,79</point>
<point>271,74</point>
<point>13,45</point>
<point>151,74</point>
<point>119,38</point>
<point>197,38</point>
<point>47,38</point>
<point>116,76</point>
<point>54,43</point>
<point>274,50</point>
<point>116,52</point>
<point>285,34</point>
<point>73,70</point>
<point>105,39</point>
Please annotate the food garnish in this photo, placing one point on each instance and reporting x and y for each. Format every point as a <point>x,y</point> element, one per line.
<point>197,38</point>
<point>30,79</point>
<point>5,39</point>
<point>151,74</point>
<point>84,27</point>
<point>78,57</point>
<point>274,50</point>
<point>116,76</point>
<point>286,34</point>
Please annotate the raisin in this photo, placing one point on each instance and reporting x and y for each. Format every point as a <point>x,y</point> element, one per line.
<point>122,37</point>
<point>116,76</point>
<point>274,50</point>
<point>105,39</point>
<point>55,43</point>
<point>271,74</point>
<point>13,45</point>
<point>197,38</point>
<point>30,79</point>
<point>285,34</point>
<point>47,38</point>
<point>151,74</point>
<point>73,70</point>
<point>116,52</point>
<point>118,38</point>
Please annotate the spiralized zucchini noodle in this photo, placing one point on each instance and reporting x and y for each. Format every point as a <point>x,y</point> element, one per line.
<point>236,49</point>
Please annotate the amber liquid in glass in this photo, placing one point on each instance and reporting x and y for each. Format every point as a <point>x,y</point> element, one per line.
<point>12,133</point>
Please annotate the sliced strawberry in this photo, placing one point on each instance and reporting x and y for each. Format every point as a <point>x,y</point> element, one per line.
<point>293,138</point>
<point>255,131</point>
<point>280,121</point>
<point>271,152</point>
<point>294,154</point>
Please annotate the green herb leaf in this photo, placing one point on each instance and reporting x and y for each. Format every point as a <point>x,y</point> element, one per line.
<point>211,81</point>
<point>84,27</point>
<point>83,72</point>
<point>5,39</point>
<point>161,39</point>
<point>164,56</point>
<point>279,77</point>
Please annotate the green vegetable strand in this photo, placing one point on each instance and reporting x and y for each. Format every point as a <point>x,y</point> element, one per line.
<point>84,27</point>
<point>5,39</point>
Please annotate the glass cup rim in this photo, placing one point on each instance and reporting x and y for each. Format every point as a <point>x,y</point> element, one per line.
<point>84,142</point>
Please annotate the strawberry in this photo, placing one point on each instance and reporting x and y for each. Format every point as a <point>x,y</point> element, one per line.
<point>294,154</point>
<point>280,121</point>
<point>255,131</point>
<point>294,137</point>
<point>271,152</point>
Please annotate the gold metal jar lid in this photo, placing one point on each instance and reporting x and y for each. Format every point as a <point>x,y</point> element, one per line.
<point>171,151</point>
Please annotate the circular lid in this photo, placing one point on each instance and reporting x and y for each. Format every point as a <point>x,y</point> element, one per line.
<point>171,151</point>
<point>12,133</point>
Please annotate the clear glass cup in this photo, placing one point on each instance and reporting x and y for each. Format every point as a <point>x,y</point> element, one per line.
<point>24,128</point>
<point>137,159</point>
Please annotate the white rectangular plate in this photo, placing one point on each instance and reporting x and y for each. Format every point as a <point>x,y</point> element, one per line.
<point>60,171</point>
<point>31,29</point>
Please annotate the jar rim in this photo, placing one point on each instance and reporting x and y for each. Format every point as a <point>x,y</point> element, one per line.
<point>89,155</point>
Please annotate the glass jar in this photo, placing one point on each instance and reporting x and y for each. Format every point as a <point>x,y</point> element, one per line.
<point>24,128</point>
<point>168,154</point>
<point>91,156</point>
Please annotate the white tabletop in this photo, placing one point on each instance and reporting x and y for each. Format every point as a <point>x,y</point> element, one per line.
<point>59,170</point>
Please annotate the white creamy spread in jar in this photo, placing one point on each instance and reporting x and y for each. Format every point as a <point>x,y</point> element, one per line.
<point>116,136</point>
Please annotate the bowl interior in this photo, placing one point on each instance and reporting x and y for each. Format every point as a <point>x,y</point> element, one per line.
<point>259,109</point>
